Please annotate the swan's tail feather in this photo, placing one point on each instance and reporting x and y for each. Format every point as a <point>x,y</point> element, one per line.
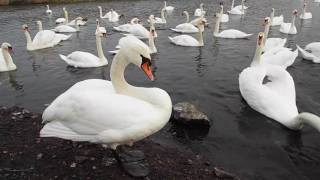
<point>57,129</point>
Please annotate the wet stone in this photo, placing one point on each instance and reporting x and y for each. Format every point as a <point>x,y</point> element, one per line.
<point>187,113</point>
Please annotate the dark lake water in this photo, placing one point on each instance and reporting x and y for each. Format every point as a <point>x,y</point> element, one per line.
<point>240,140</point>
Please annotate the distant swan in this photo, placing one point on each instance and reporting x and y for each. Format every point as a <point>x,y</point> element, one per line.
<point>276,20</point>
<point>6,62</point>
<point>311,52</point>
<point>48,11</point>
<point>304,14</point>
<point>290,28</point>
<point>185,27</point>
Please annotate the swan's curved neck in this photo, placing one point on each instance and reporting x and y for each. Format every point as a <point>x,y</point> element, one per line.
<point>200,35</point>
<point>48,8</point>
<point>162,16</point>
<point>77,25</point>
<point>66,16</point>
<point>187,15</point>
<point>7,57</point>
<point>242,5</point>
<point>29,40</point>
<point>100,11</point>
<point>217,26</point>
<point>221,10</point>
<point>293,22</point>
<point>304,10</point>
<point>271,17</point>
<point>310,119</point>
<point>257,55</point>
<point>152,46</point>
<point>266,33</point>
<point>165,4</point>
<point>99,48</point>
<point>232,4</point>
<point>40,26</point>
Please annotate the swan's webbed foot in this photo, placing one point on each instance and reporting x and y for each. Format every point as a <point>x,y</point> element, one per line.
<point>132,161</point>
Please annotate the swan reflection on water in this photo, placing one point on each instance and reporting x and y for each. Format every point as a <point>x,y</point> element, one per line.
<point>10,77</point>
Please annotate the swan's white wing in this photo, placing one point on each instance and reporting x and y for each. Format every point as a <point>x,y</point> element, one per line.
<point>314,48</point>
<point>122,118</point>
<point>273,43</point>
<point>308,56</point>
<point>63,37</point>
<point>81,59</point>
<point>186,28</point>
<point>277,20</point>
<point>184,40</point>
<point>224,18</point>
<point>64,28</point>
<point>139,31</point>
<point>60,20</point>
<point>283,57</point>
<point>45,38</point>
<point>123,28</point>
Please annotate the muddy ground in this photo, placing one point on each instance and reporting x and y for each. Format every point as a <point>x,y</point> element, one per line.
<point>23,155</point>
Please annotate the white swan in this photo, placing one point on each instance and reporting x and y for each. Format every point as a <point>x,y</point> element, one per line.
<point>229,33</point>
<point>185,27</point>
<point>224,17</point>
<point>304,14</point>
<point>112,15</point>
<point>139,31</point>
<point>239,6</point>
<point>6,62</point>
<point>126,27</point>
<point>271,43</point>
<point>311,52</point>
<point>169,9</point>
<point>66,29</point>
<point>112,112</point>
<point>79,21</point>
<point>196,20</point>
<point>282,57</point>
<point>275,20</point>
<point>290,28</point>
<point>238,10</point>
<point>48,11</point>
<point>186,40</point>
<point>63,20</point>
<point>49,33</point>
<point>161,20</point>
<point>199,11</point>
<point>275,99</point>
<point>43,39</point>
<point>80,59</point>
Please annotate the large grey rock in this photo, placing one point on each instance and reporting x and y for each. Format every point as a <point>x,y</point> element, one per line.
<point>187,113</point>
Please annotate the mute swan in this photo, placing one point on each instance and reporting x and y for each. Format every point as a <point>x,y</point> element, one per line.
<point>6,62</point>
<point>276,20</point>
<point>229,33</point>
<point>80,21</point>
<point>48,11</point>
<point>80,59</point>
<point>185,27</point>
<point>63,20</point>
<point>169,9</point>
<point>201,18</point>
<point>161,20</point>
<point>275,99</point>
<point>42,40</point>
<point>290,28</point>
<point>112,15</point>
<point>126,27</point>
<point>311,52</point>
<point>271,43</point>
<point>139,31</point>
<point>224,17</point>
<point>49,33</point>
<point>111,113</point>
<point>282,57</point>
<point>238,10</point>
<point>305,15</point>
<point>199,11</point>
<point>67,29</point>
<point>186,40</point>
<point>239,6</point>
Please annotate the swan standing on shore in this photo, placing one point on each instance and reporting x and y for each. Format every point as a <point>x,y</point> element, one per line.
<point>275,20</point>
<point>80,59</point>
<point>48,11</point>
<point>311,52</point>
<point>275,99</point>
<point>199,11</point>
<point>185,27</point>
<point>49,33</point>
<point>290,28</point>
<point>186,40</point>
<point>42,40</point>
<point>305,15</point>
<point>111,113</point>
<point>6,62</point>
<point>229,33</point>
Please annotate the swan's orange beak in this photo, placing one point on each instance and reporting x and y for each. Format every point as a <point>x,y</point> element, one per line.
<point>147,70</point>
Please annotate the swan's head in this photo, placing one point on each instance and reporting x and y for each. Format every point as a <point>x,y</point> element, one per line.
<point>38,23</point>
<point>201,23</point>
<point>185,13</point>
<point>221,4</point>
<point>134,21</point>
<point>295,12</point>
<point>260,39</point>
<point>272,10</point>
<point>6,46</point>
<point>64,8</point>
<point>201,5</point>
<point>137,53</point>
<point>267,21</point>
<point>25,27</point>
<point>99,7</point>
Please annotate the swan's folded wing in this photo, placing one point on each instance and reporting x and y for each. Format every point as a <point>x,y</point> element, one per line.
<point>82,59</point>
<point>43,38</point>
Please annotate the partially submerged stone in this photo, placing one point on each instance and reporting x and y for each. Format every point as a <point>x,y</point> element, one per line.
<point>187,113</point>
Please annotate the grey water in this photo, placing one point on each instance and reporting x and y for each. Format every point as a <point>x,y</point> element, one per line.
<point>241,140</point>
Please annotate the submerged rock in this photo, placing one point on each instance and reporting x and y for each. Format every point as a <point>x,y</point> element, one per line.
<point>187,113</point>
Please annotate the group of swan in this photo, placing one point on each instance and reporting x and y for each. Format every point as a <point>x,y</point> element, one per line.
<point>84,59</point>
<point>77,21</point>
<point>200,11</point>
<point>276,98</point>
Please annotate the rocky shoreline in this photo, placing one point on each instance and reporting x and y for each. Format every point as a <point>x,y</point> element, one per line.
<point>26,156</point>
